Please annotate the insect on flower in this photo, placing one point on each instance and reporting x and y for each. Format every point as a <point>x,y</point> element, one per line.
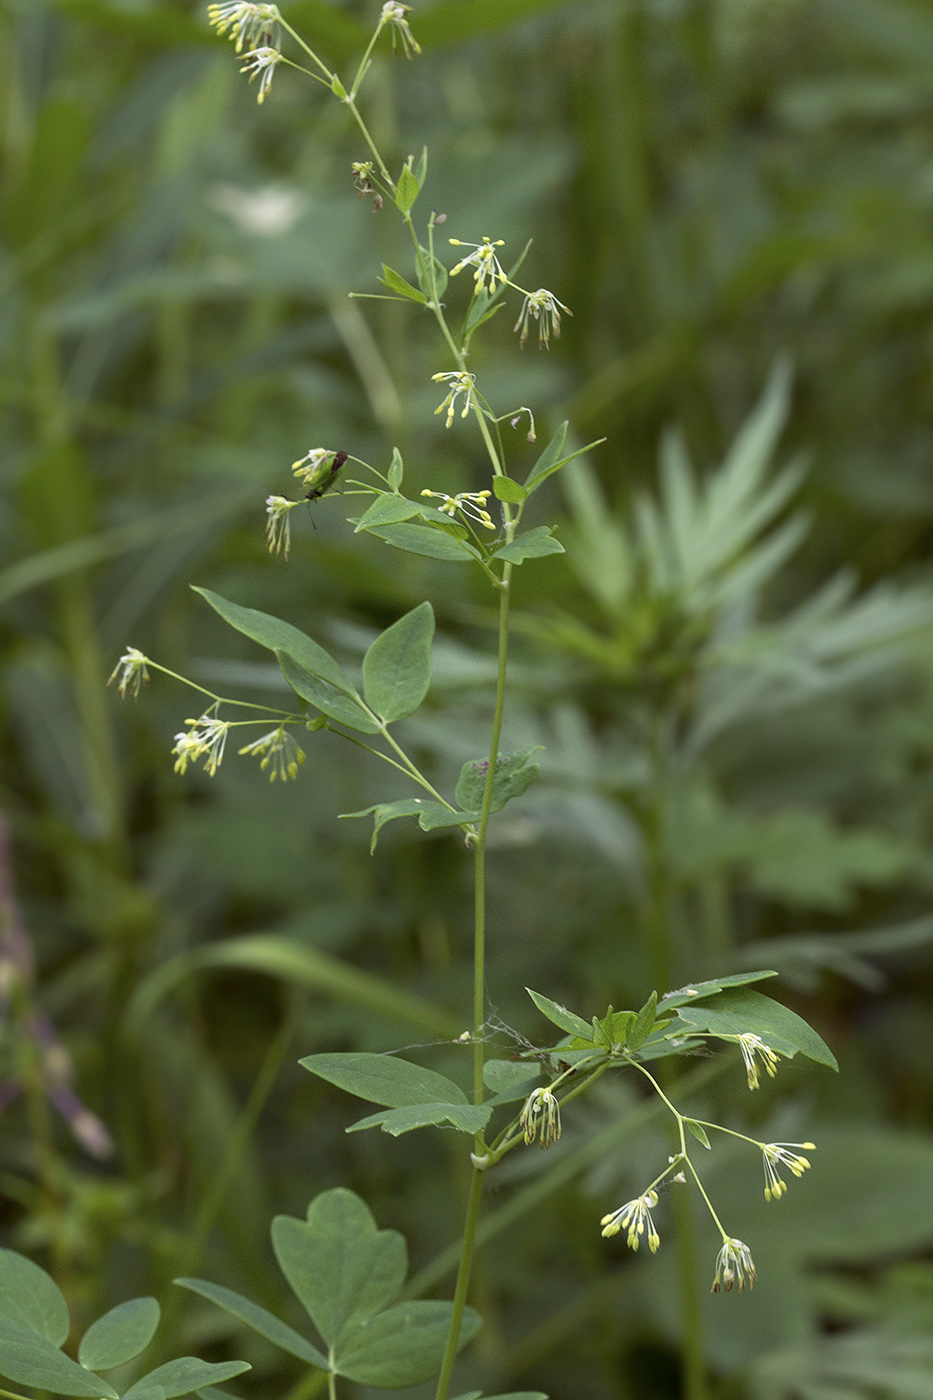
<point>324,478</point>
<point>318,471</point>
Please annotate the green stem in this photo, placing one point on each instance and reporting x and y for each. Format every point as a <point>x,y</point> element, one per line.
<point>463,1284</point>
<point>479,1003</point>
<point>660,929</point>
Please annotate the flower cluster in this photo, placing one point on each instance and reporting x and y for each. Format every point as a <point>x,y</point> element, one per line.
<point>483,258</point>
<point>734,1266</point>
<point>261,63</point>
<point>754,1049</point>
<point>205,738</point>
<point>541,1114</point>
<point>460,383</point>
<point>635,1216</point>
<point>543,307</point>
<point>469,503</point>
<point>280,752</point>
<point>246,22</point>
<point>130,672</point>
<point>394,14</point>
<point>775,1155</point>
<point>278,525</point>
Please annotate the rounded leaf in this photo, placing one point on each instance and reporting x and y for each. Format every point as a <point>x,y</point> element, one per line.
<point>119,1335</point>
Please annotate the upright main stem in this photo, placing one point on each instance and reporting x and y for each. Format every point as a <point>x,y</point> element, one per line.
<point>660,929</point>
<point>479,1001</point>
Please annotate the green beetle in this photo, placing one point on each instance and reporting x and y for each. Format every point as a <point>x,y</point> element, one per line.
<point>324,476</point>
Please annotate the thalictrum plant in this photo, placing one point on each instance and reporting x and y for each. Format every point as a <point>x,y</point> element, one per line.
<point>346,1272</point>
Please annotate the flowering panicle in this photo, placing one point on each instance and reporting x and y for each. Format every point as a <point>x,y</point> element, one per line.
<point>634,1216</point>
<point>483,258</point>
<point>541,1113</point>
<point>469,503</point>
<point>734,1267</point>
<point>247,23</point>
<point>394,14</point>
<point>280,752</point>
<point>543,307</point>
<point>460,383</point>
<point>130,672</point>
<point>205,738</point>
<point>775,1155</point>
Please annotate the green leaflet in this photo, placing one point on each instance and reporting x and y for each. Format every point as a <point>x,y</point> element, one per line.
<point>397,667</point>
<point>740,1011</point>
<point>119,1335</point>
<point>384,1079</point>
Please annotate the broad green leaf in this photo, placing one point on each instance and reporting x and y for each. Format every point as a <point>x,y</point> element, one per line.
<point>421,169</point>
<point>261,1321</point>
<point>549,458</point>
<point>505,489</point>
<point>397,667</point>
<point>698,1131</point>
<point>396,470</point>
<point>277,635</point>
<point>337,705</point>
<point>384,1079</point>
<point>395,283</point>
<point>434,817</point>
<point>533,544</point>
<point>421,539</point>
<point>119,1335</point>
<point>384,812</point>
<point>644,1024</point>
<point>30,1359</point>
<point>406,191</point>
<point>502,1076</point>
<point>560,1016</point>
<point>739,1010</point>
<point>697,990</point>
<point>514,774</point>
<point>387,509</point>
<point>402,1346</point>
<point>340,1266</point>
<point>186,1374</point>
<point>30,1298</point>
<point>465,1117</point>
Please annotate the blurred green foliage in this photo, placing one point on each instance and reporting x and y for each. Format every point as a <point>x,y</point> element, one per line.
<point>736,708</point>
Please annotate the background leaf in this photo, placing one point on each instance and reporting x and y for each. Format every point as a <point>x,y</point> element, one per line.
<point>402,1346</point>
<point>30,1298</point>
<point>342,1269</point>
<point>261,1321</point>
<point>119,1335</point>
